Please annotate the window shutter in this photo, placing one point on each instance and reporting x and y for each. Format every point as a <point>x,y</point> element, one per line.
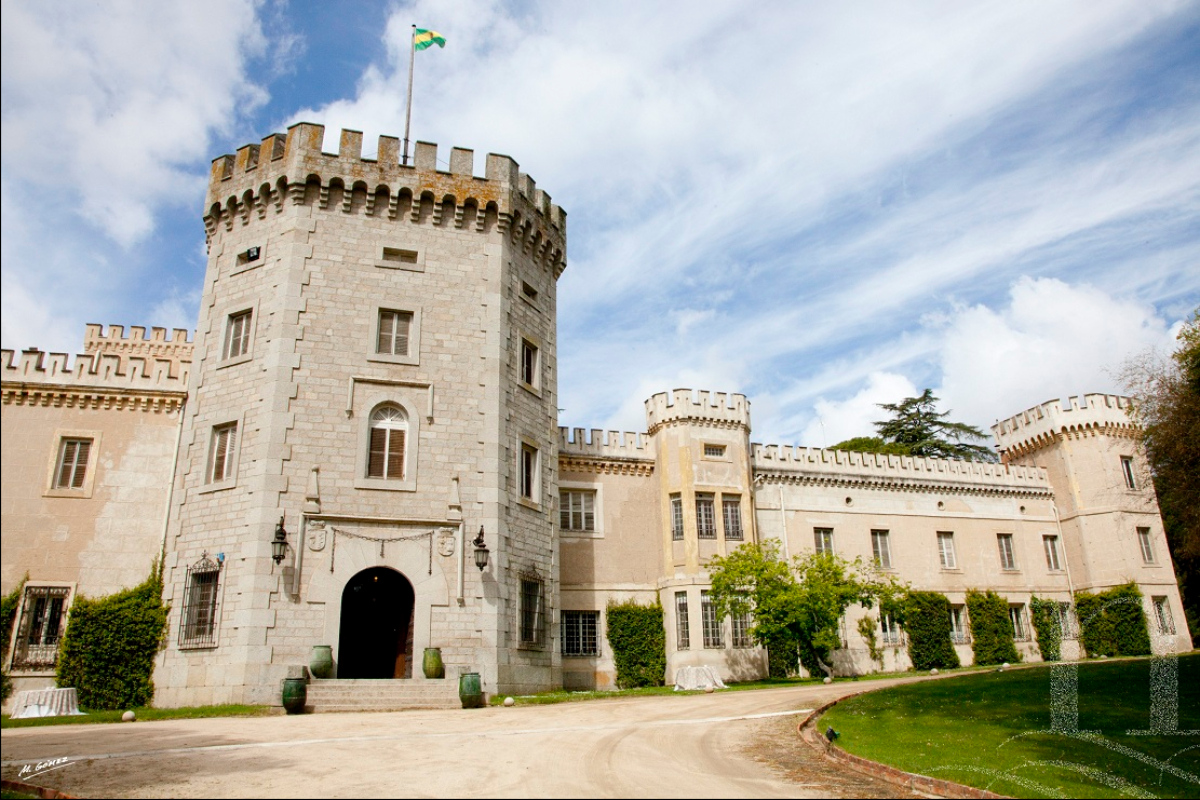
<point>401,342</point>
<point>395,456</point>
<point>387,322</point>
<point>65,468</point>
<point>378,455</point>
<point>80,461</point>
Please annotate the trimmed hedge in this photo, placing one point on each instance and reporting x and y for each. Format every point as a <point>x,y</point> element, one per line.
<point>927,623</point>
<point>8,613</point>
<point>639,644</point>
<point>991,629</point>
<point>1048,626</point>
<point>109,647</point>
<point>1113,623</point>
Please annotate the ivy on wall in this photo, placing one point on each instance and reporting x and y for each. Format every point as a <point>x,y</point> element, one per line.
<point>109,647</point>
<point>1113,623</point>
<point>1048,626</point>
<point>8,613</point>
<point>926,618</point>
<point>991,629</point>
<point>639,644</point>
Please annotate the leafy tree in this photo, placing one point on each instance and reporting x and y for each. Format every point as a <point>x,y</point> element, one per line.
<point>1166,395</point>
<point>873,444</point>
<point>798,605</point>
<point>917,424</point>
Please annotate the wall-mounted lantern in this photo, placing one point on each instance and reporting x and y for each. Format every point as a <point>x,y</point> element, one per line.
<point>279,544</point>
<point>481,551</point>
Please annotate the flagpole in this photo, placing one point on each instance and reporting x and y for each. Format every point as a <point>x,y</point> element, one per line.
<point>412,60</point>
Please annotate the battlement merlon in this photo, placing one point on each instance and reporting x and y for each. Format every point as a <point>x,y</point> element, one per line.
<point>703,407</point>
<point>159,344</point>
<point>614,444</point>
<point>1042,424</point>
<point>879,469</point>
<point>284,163</point>
<point>102,371</point>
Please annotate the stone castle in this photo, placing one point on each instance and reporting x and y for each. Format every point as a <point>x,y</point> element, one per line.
<point>360,449</point>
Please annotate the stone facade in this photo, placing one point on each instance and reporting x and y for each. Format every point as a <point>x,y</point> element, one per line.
<point>374,378</point>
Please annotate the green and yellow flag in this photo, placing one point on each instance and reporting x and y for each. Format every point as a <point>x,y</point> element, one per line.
<point>423,39</point>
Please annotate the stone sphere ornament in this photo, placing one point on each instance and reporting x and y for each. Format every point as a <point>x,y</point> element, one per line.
<point>128,716</point>
<point>933,671</point>
<point>509,702</point>
<point>709,689</point>
<point>828,679</point>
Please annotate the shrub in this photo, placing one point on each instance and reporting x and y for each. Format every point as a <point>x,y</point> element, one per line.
<point>639,644</point>
<point>8,613</point>
<point>783,657</point>
<point>927,623</point>
<point>1048,626</point>
<point>1113,623</point>
<point>991,629</point>
<point>109,647</point>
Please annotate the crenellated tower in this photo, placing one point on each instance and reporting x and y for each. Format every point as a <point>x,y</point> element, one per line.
<point>376,367</point>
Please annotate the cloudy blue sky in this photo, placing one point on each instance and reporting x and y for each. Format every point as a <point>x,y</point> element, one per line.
<point>822,205</point>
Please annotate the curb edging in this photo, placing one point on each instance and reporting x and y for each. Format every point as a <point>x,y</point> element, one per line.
<point>898,777</point>
<point>40,791</point>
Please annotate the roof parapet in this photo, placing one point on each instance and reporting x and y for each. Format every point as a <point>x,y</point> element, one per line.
<point>703,407</point>
<point>599,444</point>
<point>159,344</point>
<point>1038,426</point>
<point>97,370</point>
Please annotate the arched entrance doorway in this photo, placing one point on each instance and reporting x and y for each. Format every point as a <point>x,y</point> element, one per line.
<point>376,632</point>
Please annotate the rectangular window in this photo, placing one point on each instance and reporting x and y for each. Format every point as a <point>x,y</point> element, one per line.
<point>676,518</point>
<point>741,630</point>
<point>683,633</point>
<point>221,451</point>
<point>1016,615</point>
<point>731,505</point>
<point>823,540</point>
<point>579,633</point>
<point>72,463</point>
<point>529,292</point>
<point>394,328</point>
<point>1127,471</point>
<point>958,625</point>
<point>1053,562</point>
<point>1162,616</point>
<point>40,628</point>
<point>1007,559</point>
<point>198,621</point>
<point>706,522</point>
<point>946,554</point>
<point>1066,621</point>
<point>529,363</point>
<point>529,472</point>
<point>398,255</point>
<point>531,612</point>
<point>890,629</point>
<point>881,549</point>
<point>249,256</point>
<point>714,638</point>
<point>1144,542</point>
<point>714,451</point>
<point>576,510</point>
<point>237,334</point>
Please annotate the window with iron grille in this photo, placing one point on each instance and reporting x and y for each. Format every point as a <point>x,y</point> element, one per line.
<point>714,451</point>
<point>237,334</point>
<point>40,628</point>
<point>577,510</point>
<point>740,623</point>
<point>890,629</point>
<point>1016,615</point>
<point>579,633</point>
<point>394,328</point>
<point>958,625</point>
<point>1162,616</point>
<point>823,541</point>
<point>946,554</point>
<point>676,518</point>
<point>1144,543</point>
<point>71,470</point>
<point>706,522</point>
<point>532,612</point>
<point>1008,559</point>
<point>683,630</point>
<point>389,433</point>
<point>713,636</point>
<point>1066,621</point>
<point>198,619</point>
<point>221,452</point>
<point>1053,562</point>
<point>731,505</point>
<point>881,549</point>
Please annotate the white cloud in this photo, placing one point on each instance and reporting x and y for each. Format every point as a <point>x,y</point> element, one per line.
<point>837,420</point>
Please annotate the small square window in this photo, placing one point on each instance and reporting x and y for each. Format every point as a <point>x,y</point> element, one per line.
<point>580,633</point>
<point>237,334</point>
<point>221,452</point>
<point>71,470</point>
<point>399,255</point>
<point>249,256</point>
<point>576,510</point>
<point>393,337</point>
<point>823,541</point>
<point>714,451</point>
<point>528,291</point>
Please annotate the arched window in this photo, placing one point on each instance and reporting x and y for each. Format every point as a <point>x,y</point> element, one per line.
<point>389,429</point>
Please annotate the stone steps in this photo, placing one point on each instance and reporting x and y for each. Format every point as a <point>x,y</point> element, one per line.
<point>380,695</point>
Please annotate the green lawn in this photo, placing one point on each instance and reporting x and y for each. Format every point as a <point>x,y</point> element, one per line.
<point>143,715</point>
<point>991,730</point>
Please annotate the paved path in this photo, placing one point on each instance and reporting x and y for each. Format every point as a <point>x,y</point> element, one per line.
<point>734,744</point>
